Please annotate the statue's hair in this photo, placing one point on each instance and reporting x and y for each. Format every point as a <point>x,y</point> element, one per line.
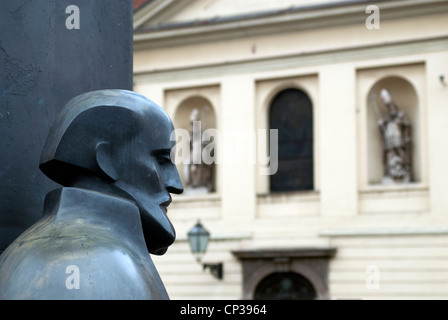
<point>89,123</point>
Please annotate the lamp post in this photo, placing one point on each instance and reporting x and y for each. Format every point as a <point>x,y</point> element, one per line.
<point>198,237</point>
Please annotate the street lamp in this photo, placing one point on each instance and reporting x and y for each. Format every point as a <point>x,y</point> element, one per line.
<point>198,237</point>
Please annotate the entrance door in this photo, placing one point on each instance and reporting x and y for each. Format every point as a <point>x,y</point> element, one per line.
<point>285,286</point>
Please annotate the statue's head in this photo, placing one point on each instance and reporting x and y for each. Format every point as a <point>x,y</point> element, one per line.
<point>122,139</point>
<point>388,100</point>
<point>194,115</point>
<point>386,96</point>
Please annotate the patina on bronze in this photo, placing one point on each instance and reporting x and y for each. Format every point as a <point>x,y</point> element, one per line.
<point>110,149</point>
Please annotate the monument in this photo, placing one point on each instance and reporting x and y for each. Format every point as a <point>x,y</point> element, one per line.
<point>395,130</point>
<point>50,52</point>
<point>110,149</point>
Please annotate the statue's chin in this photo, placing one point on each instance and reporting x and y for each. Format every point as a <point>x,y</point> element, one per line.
<point>159,252</point>
<point>159,233</point>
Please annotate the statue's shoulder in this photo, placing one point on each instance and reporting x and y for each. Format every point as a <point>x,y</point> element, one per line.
<point>74,259</point>
<point>77,269</point>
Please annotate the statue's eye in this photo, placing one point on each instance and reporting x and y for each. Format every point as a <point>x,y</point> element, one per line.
<point>163,158</point>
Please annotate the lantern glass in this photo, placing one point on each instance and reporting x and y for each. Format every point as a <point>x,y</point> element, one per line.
<point>198,237</point>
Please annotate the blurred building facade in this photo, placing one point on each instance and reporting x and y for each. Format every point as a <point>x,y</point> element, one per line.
<point>325,225</point>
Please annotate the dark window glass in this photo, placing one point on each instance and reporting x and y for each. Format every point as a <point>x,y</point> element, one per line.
<point>284,286</point>
<point>291,113</point>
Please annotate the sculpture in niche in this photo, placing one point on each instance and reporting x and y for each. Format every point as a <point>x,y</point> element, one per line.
<point>395,130</point>
<point>198,174</point>
<point>110,149</point>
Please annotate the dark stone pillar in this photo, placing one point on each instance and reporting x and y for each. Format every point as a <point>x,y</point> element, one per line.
<point>43,64</point>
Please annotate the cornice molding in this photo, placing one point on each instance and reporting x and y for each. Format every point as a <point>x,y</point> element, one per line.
<point>316,58</point>
<point>158,11</point>
<point>148,12</point>
<point>310,252</point>
<point>294,19</point>
<point>383,232</point>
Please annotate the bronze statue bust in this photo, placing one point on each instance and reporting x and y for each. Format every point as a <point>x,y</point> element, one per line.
<point>110,149</point>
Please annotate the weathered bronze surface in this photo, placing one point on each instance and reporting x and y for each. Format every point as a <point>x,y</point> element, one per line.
<point>111,151</point>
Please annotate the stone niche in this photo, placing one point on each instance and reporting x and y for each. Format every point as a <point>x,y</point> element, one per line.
<point>407,85</point>
<point>308,265</point>
<point>407,100</point>
<point>181,104</point>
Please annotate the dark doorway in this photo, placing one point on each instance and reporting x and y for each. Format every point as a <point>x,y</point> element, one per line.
<point>291,113</point>
<point>284,286</point>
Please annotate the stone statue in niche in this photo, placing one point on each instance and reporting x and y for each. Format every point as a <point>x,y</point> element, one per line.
<point>395,130</point>
<point>198,174</point>
<point>110,149</point>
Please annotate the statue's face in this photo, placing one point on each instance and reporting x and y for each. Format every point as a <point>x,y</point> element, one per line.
<point>148,175</point>
<point>126,138</point>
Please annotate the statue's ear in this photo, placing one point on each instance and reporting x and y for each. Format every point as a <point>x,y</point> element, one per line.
<point>104,161</point>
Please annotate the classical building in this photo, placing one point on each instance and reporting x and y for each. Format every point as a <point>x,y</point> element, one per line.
<point>305,210</point>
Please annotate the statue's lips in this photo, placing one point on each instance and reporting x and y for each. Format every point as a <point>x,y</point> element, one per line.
<point>164,205</point>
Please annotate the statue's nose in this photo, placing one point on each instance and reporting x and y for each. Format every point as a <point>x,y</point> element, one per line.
<point>173,183</point>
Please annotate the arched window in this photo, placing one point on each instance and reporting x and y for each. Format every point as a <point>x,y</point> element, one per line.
<point>291,112</point>
<point>285,286</point>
